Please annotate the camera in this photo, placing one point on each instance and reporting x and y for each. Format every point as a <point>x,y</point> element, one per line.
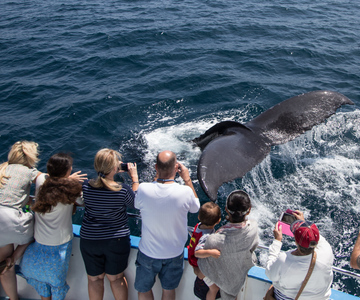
<point>124,167</point>
<point>285,220</point>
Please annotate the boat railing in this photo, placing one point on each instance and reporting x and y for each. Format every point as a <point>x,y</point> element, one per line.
<point>191,229</point>
<point>335,269</point>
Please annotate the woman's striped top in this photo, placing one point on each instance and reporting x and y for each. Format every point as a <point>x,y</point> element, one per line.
<point>105,214</point>
<point>280,296</point>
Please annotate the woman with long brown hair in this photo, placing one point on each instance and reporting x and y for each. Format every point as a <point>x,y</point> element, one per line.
<point>46,261</point>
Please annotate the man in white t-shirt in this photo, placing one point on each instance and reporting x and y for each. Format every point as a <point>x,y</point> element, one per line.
<point>164,206</point>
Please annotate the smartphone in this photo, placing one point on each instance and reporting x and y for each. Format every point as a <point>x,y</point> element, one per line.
<point>124,167</point>
<point>285,220</point>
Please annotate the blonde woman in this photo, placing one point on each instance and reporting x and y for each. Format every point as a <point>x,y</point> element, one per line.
<point>105,234</point>
<point>16,226</point>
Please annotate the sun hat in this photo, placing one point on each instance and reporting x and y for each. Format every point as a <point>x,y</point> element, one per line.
<point>306,233</point>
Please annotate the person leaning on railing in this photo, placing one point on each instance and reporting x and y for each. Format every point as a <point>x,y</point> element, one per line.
<point>46,261</point>
<point>16,226</point>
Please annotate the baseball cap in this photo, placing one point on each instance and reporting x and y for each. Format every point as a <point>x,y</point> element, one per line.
<point>306,233</point>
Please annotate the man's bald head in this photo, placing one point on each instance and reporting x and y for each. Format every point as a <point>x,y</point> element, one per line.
<point>165,163</point>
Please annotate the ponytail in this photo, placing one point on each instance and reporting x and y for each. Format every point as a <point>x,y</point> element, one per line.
<point>238,205</point>
<point>105,161</point>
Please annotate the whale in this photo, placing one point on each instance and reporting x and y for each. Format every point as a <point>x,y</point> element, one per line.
<point>231,149</point>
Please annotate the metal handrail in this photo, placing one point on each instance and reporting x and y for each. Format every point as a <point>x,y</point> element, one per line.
<point>335,269</point>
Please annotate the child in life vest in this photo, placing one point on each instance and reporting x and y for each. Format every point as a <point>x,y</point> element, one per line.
<point>209,216</point>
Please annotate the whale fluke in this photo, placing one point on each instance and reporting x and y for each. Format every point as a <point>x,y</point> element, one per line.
<point>230,149</point>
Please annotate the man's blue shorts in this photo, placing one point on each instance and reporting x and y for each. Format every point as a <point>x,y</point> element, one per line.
<point>169,271</point>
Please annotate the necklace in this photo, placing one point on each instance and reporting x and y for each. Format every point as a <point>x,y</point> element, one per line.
<point>164,180</point>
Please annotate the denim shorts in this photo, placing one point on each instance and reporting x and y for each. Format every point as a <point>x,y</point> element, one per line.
<point>169,271</point>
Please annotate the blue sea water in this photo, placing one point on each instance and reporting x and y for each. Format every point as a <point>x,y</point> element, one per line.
<point>145,76</point>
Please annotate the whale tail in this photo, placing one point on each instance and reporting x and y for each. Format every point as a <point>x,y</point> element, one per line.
<point>230,149</point>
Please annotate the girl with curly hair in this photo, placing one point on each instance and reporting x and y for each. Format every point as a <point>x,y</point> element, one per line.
<point>46,261</point>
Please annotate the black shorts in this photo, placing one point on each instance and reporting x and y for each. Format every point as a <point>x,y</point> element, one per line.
<point>105,256</point>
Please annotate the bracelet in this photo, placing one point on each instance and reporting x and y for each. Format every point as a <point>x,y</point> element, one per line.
<point>135,182</point>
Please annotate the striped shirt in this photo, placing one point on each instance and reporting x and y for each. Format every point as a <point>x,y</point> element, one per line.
<point>105,214</point>
<point>280,296</point>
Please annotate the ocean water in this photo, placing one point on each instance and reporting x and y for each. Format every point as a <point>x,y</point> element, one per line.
<point>145,76</point>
